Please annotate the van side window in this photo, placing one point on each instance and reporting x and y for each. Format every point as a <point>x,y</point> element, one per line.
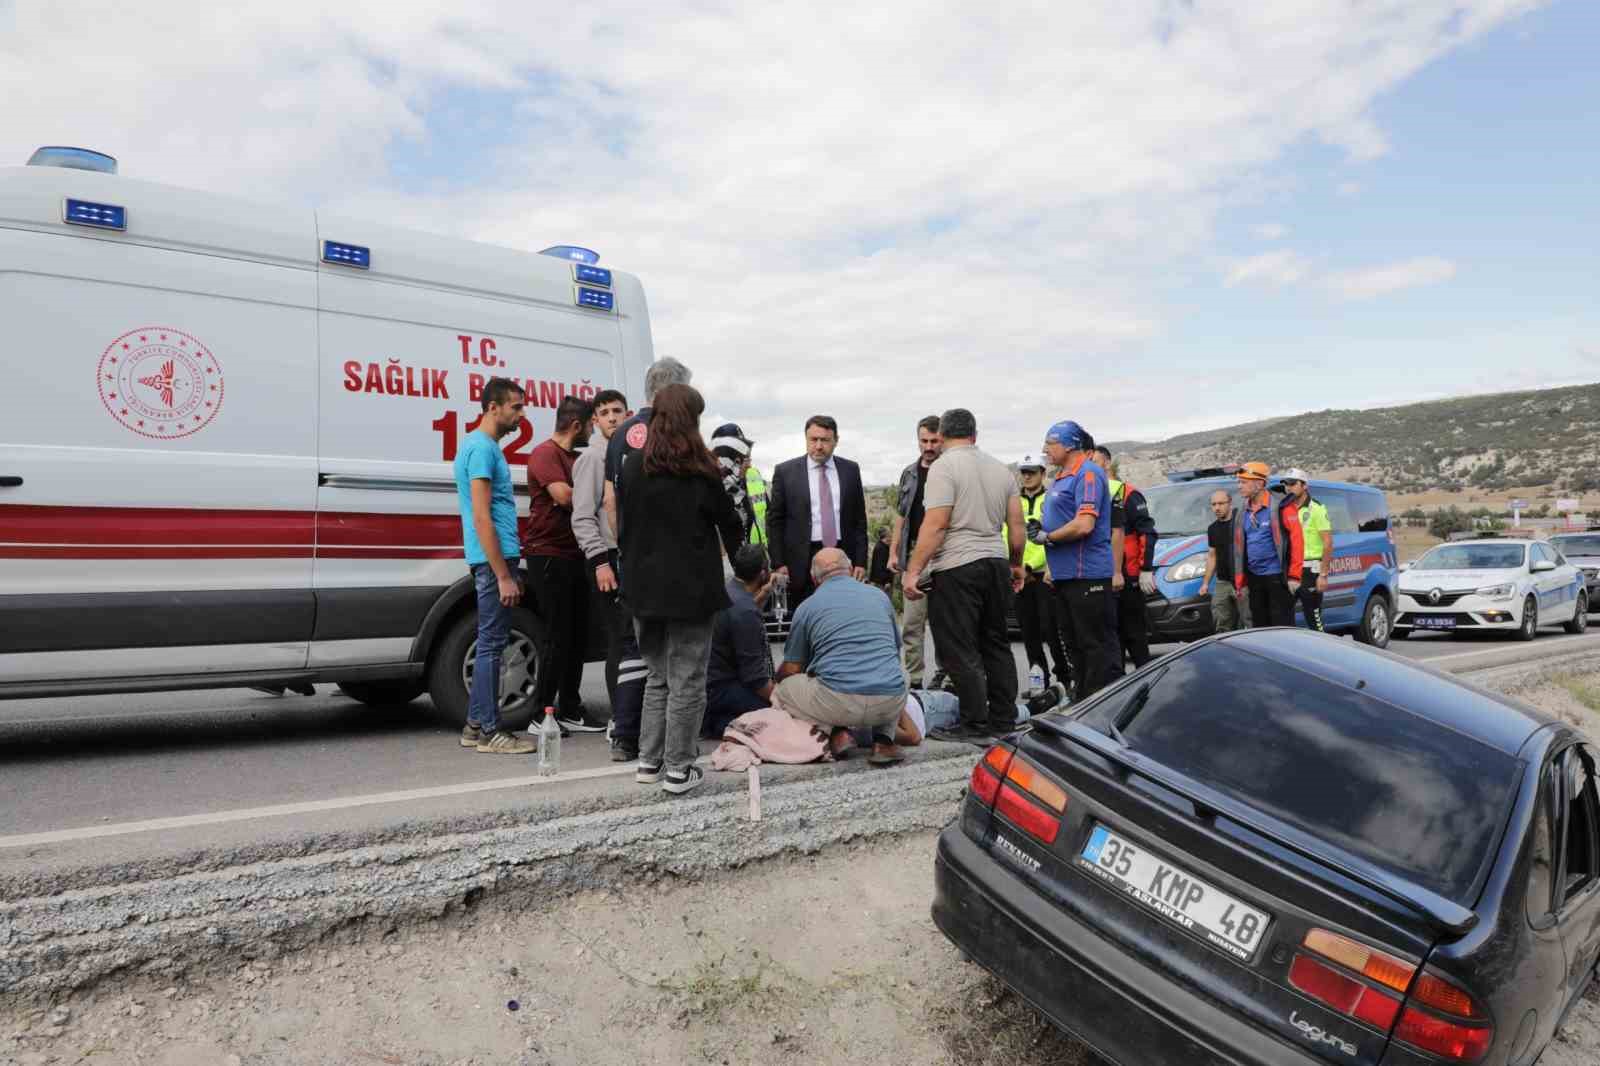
<point>1337,501</point>
<point>1542,860</point>
<point>1581,835</point>
<point>1370,511</point>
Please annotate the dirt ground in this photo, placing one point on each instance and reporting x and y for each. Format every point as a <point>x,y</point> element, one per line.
<point>827,959</point>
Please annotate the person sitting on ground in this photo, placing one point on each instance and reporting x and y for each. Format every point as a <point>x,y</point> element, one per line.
<point>841,667</point>
<point>739,675</point>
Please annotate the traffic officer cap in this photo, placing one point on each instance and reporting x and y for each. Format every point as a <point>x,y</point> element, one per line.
<point>1294,473</point>
<point>1031,462</point>
<point>1068,434</point>
<point>730,439</point>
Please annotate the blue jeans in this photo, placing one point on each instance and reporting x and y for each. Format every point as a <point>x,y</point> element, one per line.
<point>494,629</point>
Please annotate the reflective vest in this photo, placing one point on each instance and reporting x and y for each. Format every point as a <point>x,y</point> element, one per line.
<point>1132,540</point>
<point>756,487</point>
<point>1033,511</point>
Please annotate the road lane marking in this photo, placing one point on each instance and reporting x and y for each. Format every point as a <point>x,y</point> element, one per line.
<point>95,832</point>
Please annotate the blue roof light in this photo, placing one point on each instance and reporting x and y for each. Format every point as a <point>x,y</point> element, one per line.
<point>572,252</point>
<point>598,299</point>
<point>100,216</point>
<point>591,275</point>
<point>353,255</point>
<point>73,159</point>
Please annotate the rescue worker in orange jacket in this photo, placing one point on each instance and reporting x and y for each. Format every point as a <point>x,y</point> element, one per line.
<point>1268,553</point>
<point>1133,551</point>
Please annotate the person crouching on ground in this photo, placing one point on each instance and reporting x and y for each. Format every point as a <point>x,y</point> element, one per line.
<point>739,677</point>
<point>841,665</point>
<point>673,509</point>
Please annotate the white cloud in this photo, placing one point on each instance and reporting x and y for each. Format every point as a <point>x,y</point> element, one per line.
<point>1271,231</point>
<point>882,209</point>
<point>1369,282</point>
<point>1279,268</point>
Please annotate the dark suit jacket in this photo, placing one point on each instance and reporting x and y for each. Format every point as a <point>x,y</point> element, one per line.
<point>789,516</point>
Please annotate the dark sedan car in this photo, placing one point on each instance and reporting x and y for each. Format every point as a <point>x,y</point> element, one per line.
<point>1275,847</point>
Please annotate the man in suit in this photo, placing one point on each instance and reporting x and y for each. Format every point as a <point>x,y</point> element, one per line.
<point>814,502</point>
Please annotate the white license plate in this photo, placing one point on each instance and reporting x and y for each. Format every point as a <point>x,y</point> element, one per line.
<point>1175,894</point>
<point>1425,621</point>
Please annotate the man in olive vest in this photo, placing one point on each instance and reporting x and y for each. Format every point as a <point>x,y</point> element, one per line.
<point>1038,612</point>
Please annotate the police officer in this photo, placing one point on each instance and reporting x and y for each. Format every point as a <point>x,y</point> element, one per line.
<point>755,487</point>
<point>1038,612</point>
<point>1076,533</point>
<point>1133,553</point>
<point>1316,538</point>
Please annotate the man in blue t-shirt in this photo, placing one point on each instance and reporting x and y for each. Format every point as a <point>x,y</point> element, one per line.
<point>841,665</point>
<point>1075,529</point>
<point>494,555</point>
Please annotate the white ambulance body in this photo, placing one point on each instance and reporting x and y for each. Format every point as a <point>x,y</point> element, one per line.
<point>226,433</point>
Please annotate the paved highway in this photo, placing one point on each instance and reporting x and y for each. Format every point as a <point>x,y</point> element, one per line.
<point>86,774</point>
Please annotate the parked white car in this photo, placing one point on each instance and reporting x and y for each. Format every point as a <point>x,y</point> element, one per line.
<point>1492,584</point>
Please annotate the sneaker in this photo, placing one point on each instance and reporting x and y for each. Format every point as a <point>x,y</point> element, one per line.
<point>501,742</point>
<point>471,736</point>
<point>624,752</point>
<point>574,720</point>
<point>680,781</point>
<point>647,774</point>
<point>962,733</point>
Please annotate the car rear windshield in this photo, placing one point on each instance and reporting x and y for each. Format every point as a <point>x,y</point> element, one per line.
<point>1471,557</point>
<point>1577,545</point>
<point>1372,779</point>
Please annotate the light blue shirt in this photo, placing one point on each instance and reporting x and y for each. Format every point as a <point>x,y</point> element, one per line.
<point>480,458</point>
<point>845,636</point>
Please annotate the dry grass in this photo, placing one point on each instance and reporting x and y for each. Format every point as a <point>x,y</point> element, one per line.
<point>996,1027</point>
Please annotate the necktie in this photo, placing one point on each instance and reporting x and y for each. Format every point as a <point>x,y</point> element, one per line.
<point>830,526</point>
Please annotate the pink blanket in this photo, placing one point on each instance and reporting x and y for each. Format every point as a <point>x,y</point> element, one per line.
<point>769,735</point>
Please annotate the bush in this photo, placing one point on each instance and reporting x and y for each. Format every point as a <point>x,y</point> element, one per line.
<point>1448,520</point>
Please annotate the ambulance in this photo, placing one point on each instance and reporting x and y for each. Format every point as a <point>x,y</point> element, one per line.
<point>227,429</point>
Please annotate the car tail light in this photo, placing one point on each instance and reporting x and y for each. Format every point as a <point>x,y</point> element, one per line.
<point>1344,994</point>
<point>986,776</point>
<point>1022,793</point>
<point>1444,1037</point>
<point>1463,1037</point>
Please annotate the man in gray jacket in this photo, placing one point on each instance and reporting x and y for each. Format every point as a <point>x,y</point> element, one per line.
<point>625,669</point>
<point>903,541</point>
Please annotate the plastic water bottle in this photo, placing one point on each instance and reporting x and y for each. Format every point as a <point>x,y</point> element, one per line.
<point>780,597</point>
<point>1035,679</point>
<point>549,745</point>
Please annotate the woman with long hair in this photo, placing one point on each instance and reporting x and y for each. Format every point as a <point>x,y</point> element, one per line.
<point>673,510</point>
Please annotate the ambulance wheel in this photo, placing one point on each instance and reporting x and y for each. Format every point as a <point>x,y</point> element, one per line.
<point>450,669</point>
<point>394,693</point>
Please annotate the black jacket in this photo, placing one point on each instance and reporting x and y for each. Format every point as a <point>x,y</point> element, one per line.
<point>878,573</point>
<point>671,566</point>
<point>789,516</point>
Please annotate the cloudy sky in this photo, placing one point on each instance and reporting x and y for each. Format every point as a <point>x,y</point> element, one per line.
<point>1150,216</point>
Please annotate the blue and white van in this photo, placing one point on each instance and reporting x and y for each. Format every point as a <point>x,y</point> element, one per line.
<point>1362,576</point>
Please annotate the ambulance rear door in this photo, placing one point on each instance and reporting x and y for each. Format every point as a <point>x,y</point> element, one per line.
<point>411,325</point>
<point>157,430</point>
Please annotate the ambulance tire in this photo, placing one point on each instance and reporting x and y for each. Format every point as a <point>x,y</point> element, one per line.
<point>447,665</point>
<point>395,693</point>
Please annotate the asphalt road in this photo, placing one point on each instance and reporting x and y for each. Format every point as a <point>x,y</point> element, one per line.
<point>86,773</point>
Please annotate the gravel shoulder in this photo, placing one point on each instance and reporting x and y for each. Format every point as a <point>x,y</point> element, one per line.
<point>821,959</point>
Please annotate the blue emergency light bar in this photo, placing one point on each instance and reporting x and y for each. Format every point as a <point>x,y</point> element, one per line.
<point>591,275</point>
<point>598,299</point>
<point>352,255</point>
<point>572,252</point>
<point>100,216</point>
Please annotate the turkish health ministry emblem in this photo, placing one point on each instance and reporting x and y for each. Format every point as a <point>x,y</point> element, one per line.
<point>160,382</point>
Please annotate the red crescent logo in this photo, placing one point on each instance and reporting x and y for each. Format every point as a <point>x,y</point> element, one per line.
<point>637,434</point>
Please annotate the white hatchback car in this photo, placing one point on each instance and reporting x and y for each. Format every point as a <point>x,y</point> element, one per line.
<point>1492,584</point>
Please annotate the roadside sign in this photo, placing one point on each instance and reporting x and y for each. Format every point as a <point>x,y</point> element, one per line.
<point>1519,505</point>
<point>1567,504</point>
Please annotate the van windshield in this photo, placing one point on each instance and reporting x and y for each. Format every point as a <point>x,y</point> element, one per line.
<point>1184,509</point>
<point>1369,778</point>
